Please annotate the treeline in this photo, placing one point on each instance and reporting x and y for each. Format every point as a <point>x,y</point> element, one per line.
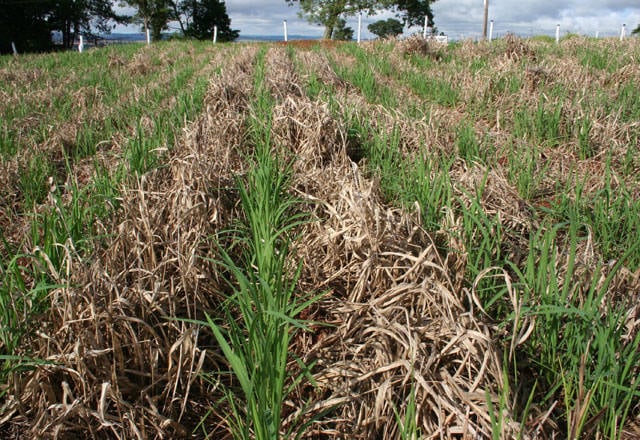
<point>31,24</point>
<point>332,14</point>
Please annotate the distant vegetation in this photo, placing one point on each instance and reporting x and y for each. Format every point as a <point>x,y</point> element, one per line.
<point>29,25</point>
<point>386,28</point>
<point>332,14</point>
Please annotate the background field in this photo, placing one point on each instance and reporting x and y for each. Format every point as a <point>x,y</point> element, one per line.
<point>387,240</point>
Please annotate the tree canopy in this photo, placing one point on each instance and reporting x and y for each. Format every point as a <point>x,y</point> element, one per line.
<point>154,15</point>
<point>341,31</point>
<point>412,12</point>
<point>328,12</point>
<point>29,24</point>
<point>636,30</point>
<point>198,18</point>
<point>386,28</point>
<point>74,17</point>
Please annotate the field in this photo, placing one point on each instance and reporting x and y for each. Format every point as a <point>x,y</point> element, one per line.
<point>392,240</point>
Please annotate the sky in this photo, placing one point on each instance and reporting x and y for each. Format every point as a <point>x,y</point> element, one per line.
<point>457,18</point>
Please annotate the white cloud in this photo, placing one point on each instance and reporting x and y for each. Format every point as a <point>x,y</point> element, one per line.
<point>457,18</point>
<point>464,17</point>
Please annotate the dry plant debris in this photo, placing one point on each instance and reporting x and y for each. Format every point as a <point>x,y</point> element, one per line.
<point>397,317</point>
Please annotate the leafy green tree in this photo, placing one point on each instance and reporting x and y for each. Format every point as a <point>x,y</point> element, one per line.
<point>29,23</point>
<point>74,17</point>
<point>636,30</point>
<point>341,31</point>
<point>386,28</point>
<point>328,12</point>
<point>412,12</point>
<point>26,25</point>
<point>198,17</point>
<point>154,15</point>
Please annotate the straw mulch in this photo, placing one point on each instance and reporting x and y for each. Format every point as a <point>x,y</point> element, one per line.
<point>118,363</point>
<point>396,322</point>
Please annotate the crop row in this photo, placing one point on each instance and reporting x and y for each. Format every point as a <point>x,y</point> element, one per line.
<point>531,181</point>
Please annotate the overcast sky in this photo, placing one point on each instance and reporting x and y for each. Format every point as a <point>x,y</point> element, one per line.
<point>458,18</point>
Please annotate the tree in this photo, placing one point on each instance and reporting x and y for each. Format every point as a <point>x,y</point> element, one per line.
<point>154,15</point>
<point>198,17</point>
<point>328,12</point>
<point>30,23</point>
<point>74,17</point>
<point>195,17</point>
<point>341,31</point>
<point>26,25</point>
<point>386,28</point>
<point>412,12</point>
<point>636,30</point>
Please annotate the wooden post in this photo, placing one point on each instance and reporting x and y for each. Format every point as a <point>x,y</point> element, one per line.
<point>13,47</point>
<point>285,31</point>
<point>491,30</point>
<point>424,30</point>
<point>359,26</point>
<point>215,34</point>
<point>557,33</point>
<point>81,44</point>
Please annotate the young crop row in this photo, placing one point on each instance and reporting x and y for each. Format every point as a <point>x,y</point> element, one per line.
<point>75,128</point>
<point>132,296</point>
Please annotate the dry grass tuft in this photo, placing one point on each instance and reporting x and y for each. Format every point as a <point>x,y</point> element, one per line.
<point>282,78</point>
<point>140,64</point>
<point>318,63</point>
<point>500,200</point>
<point>397,320</point>
<point>518,49</point>
<point>416,45</point>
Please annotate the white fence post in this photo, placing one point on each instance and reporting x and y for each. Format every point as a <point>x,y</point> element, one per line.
<point>148,37</point>
<point>424,31</point>
<point>215,34</point>
<point>484,19</point>
<point>285,31</point>
<point>597,34</point>
<point>622,31</point>
<point>81,44</point>
<point>491,30</point>
<point>557,33</point>
<point>13,47</point>
<point>359,26</point>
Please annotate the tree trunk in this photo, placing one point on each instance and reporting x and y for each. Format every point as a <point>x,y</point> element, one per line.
<point>174,5</point>
<point>332,17</point>
<point>67,42</point>
<point>328,31</point>
<point>76,31</point>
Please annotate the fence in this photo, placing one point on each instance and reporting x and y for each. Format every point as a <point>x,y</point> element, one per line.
<point>453,31</point>
<point>498,29</point>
